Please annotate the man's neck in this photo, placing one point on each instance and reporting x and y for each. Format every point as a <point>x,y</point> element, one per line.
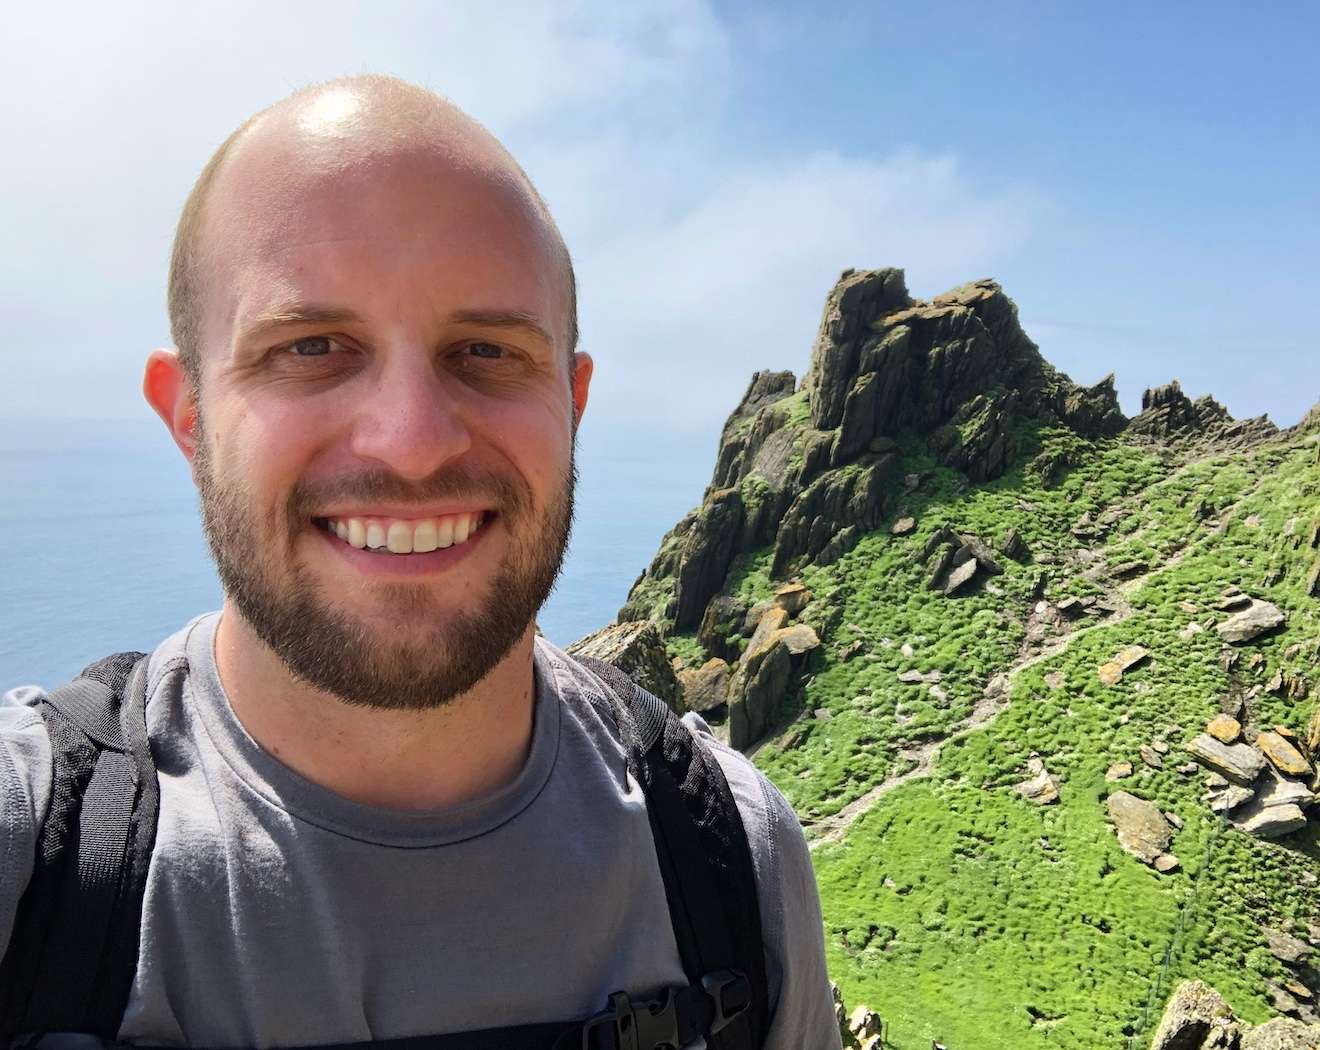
<point>405,760</point>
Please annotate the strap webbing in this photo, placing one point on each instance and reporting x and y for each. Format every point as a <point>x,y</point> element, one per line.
<point>119,965</point>
<point>93,708</point>
<point>78,949</point>
<point>77,939</point>
<point>701,848</point>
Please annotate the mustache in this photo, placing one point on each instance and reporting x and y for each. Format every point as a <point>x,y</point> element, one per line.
<point>455,483</point>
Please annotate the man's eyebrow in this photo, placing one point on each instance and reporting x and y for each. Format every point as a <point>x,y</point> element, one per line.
<point>502,319</point>
<point>298,313</point>
<point>295,313</point>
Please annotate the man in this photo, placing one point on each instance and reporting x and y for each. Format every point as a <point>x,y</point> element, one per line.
<point>387,808</point>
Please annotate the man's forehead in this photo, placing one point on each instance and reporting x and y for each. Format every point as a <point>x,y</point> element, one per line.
<point>295,168</point>
<point>326,188</point>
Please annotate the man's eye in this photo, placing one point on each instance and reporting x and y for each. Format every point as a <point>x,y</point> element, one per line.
<point>312,346</point>
<point>488,351</point>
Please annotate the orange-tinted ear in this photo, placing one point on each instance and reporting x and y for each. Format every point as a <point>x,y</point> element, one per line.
<point>582,369</point>
<point>169,391</point>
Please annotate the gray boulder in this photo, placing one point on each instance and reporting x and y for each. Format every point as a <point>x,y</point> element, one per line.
<point>1270,823</point>
<point>1142,830</point>
<point>1240,763</point>
<point>977,549</point>
<point>1042,787</point>
<point>1251,622</point>
<point>1277,806</point>
<point>1287,948</point>
<point>1282,1033</point>
<point>1198,1018</point>
<point>1195,1011</point>
<point>961,576</point>
<point>705,688</point>
<point>758,694</point>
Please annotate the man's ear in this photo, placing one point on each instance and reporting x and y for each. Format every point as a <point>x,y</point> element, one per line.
<point>169,391</point>
<point>582,368</point>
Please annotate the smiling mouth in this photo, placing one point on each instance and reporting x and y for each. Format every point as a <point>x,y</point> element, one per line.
<point>406,535</point>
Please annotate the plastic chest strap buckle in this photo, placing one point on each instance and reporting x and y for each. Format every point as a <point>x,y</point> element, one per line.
<point>731,992</point>
<point>657,1025</point>
<point>626,1025</point>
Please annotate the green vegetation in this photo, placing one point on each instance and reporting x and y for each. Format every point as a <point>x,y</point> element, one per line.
<point>687,648</point>
<point>953,906</point>
<point>796,408</point>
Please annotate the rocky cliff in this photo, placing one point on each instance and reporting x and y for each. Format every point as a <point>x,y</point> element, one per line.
<point>1039,680</point>
<point>809,468</point>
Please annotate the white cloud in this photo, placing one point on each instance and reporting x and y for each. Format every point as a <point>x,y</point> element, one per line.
<point>681,311</point>
<point>697,265</point>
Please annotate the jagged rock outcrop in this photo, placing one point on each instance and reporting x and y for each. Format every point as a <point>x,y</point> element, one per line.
<point>809,468</point>
<point>1309,422</point>
<point>721,625</point>
<point>856,301</point>
<point>638,650</point>
<point>711,544</point>
<point>959,367</point>
<point>747,428</point>
<point>761,693</point>
<point>1168,414</point>
<point>827,519</point>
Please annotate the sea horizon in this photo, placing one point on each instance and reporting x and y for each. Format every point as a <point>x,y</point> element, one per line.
<point>104,550</point>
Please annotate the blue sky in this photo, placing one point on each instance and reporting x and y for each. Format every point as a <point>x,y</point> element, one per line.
<point>1142,179</point>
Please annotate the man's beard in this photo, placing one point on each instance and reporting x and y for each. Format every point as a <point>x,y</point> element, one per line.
<point>328,648</point>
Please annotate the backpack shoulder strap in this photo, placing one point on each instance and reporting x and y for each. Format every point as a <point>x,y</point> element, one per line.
<point>71,960</point>
<point>705,859</point>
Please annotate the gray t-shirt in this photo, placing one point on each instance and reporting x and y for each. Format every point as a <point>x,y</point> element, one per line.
<point>278,912</point>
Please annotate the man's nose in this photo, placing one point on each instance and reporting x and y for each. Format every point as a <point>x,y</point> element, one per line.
<point>410,421</point>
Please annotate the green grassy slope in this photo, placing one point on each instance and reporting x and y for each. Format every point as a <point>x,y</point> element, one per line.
<point>953,906</point>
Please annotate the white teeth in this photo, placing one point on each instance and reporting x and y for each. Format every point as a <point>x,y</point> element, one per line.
<point>400,538</point>
<point>403,536</point>
<point>424,539</point>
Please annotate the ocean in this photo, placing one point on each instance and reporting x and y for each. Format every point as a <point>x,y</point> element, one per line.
<point>101,547</point>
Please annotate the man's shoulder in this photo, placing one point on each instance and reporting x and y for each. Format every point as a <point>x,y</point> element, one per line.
<point>26,760</point>
<point>786,887</point>
<point>765,813</point>
<point>27,771</point>
<point>25,776</point>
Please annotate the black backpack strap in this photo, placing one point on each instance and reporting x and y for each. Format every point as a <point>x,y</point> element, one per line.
<point>705,861</point>
<point>71,959</point>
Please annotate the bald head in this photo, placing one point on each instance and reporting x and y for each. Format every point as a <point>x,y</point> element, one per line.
<point>347,131</point>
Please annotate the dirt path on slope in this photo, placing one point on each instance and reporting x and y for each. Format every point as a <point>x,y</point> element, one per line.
<point>834,828</point>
